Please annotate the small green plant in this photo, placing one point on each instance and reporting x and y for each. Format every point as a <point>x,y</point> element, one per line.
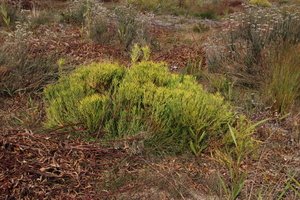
<point>9,14</point>
<point>146,53</point>
<point>194,68</point>
<point>231,188</point>
<point>239,142</point>
<point>140,53</point>
<point>61,64</point>
<point>220,83</point>
<point>201,28</point>
<point>238,145</point>
<point>5,15</point>
<point>198,144</point>
<point>135,53</point>
<point>291,184</point>
<point>234,188</point>
<point>127,25</point>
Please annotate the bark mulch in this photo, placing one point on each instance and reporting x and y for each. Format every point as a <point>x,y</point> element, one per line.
<point>37,166</point>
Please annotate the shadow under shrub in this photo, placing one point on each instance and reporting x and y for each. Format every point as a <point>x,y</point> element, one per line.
<point>116,102</point>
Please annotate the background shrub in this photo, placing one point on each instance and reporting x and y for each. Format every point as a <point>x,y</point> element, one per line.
<point>41,18</point>
<point>75,14</point>
<point>282,88</point>
<point>246,43</point>
<point>22,71</point>
<point>129,29</point>
<point>100,25</point>
<point>99,31</point>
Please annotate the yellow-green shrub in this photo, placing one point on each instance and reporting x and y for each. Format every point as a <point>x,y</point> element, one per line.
<point>175,109</point>
<point>178,110</point>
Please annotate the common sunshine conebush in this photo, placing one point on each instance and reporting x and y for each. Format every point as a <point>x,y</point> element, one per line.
<point>174,109</point>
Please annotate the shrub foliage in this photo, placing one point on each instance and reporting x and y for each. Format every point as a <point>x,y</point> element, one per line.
<point>176,111</point>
